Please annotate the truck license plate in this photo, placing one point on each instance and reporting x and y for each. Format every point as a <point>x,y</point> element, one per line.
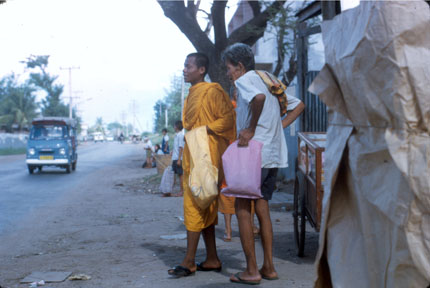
<point>49,157</point>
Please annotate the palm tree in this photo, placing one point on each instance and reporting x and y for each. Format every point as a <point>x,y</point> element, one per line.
<point>17,104</point>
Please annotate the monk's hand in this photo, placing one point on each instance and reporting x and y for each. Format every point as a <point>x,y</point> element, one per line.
<point>244,136</point>
<point>209,130</point>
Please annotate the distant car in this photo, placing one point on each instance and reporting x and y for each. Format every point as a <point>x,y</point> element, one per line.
<point>52,142</point>
<point>98,137</point>
<point>109,138</point>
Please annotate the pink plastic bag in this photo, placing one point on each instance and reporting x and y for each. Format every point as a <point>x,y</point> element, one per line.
<point>242,170</point>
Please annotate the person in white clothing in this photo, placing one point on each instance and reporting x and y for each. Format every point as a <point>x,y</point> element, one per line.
<point>165,142</point>
<point>178,147</point>
<point>147,145</point>
<point>258,118</point>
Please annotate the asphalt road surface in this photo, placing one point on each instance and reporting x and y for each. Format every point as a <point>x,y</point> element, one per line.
<point>21,193</point>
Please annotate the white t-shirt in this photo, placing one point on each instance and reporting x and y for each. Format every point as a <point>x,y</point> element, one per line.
<point>148,145</point>
<point>178,142</point>
<point>269,130</point>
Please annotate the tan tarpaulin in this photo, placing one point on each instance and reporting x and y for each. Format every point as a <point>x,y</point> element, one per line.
<point>376,210</point>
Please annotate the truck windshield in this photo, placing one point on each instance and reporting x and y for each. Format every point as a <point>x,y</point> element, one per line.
<point>48,132</point>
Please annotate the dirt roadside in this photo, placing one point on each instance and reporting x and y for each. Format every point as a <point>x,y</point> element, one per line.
<point>113,234</point>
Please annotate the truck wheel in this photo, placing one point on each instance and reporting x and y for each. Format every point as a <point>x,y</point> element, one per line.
<point>69,168</point>
<point>30,169</point>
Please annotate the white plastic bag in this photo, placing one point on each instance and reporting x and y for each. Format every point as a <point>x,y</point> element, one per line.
<point>166,185</point>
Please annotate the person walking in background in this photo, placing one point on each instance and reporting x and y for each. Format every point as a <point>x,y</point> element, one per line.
<point>165,142</point>
<point>178,147</point>
<point>209,106</point>
<point>258,118</point>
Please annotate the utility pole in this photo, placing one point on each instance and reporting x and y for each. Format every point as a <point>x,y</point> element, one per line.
<point>70,88</point>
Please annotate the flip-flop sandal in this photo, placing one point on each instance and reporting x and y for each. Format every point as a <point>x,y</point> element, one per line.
<point>180,271</point>
<point>270,278</point>
<point>201,268</point>
<point>243,281</point>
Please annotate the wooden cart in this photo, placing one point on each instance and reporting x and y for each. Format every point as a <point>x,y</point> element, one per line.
<point>308,188</point>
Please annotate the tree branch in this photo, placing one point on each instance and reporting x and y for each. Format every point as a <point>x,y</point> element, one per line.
<point>185,20</point>
<point>255,6</point>
<point>247,33</point>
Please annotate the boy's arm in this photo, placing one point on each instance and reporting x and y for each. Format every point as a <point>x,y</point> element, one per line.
<point>257,105</point>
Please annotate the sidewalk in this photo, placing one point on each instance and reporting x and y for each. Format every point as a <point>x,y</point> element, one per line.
<point>124,234</point>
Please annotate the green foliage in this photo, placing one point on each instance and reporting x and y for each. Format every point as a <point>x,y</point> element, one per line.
<point>171,102</point>
<point>52,104</point>
<point>17,103</point>
<point>115,128</point>
<point>13,151</point>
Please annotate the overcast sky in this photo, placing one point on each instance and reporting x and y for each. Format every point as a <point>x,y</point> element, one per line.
<point>125,50</point>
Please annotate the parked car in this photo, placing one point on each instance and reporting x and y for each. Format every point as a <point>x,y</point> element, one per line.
<point>52,142</point>
<point>109,138</point>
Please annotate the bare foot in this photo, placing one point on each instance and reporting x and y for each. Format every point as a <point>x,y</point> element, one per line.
<point>268,274</point>
<point>245,278</point>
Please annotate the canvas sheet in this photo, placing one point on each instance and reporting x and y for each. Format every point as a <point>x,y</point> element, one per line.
<point>375,229</point>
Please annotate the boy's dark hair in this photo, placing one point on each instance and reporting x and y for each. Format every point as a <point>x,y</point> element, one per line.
<point>164,130</point>
<point>202,60</point>
<point>178,124</point>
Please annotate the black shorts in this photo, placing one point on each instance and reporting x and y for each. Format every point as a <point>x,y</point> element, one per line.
<point>268,182</point>
<point>177,169</point>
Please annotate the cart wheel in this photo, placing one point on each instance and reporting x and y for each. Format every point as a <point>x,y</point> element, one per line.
<point>299,214</point>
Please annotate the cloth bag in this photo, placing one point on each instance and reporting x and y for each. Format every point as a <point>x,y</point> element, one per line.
<point>203,181</point>
<point>242,169</point>
<point>166,185</point>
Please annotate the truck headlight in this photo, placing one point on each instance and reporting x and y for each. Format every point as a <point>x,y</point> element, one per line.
<point>31,151</point>
<point>62,151</point>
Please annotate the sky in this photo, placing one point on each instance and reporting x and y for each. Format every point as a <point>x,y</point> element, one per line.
<point>126,51</point>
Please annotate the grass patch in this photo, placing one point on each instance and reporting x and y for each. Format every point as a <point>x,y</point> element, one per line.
<point>12,151</point>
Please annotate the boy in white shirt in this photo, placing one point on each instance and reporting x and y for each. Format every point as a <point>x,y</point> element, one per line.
<point>258,118</point>
<point>178,147</point>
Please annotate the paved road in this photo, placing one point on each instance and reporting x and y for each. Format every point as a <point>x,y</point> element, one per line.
<point>21,193</point>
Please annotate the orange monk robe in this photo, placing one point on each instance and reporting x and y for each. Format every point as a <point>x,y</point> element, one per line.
<point>207,104</point>
<point>226,203</point>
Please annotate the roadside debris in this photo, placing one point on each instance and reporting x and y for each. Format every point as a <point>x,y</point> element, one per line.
<point>47,277</point>
<point>36,284</point>
<point>83,277</point>
<point>180,218</point>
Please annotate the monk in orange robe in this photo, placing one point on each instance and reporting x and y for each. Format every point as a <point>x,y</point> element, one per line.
<point>206,105</point>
